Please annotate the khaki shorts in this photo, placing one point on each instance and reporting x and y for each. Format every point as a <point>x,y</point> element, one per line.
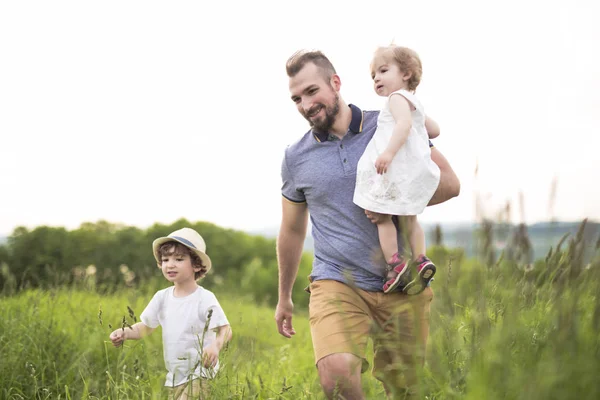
<point>342,318</point>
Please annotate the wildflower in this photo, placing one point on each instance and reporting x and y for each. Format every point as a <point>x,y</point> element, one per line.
<point>90,270</point>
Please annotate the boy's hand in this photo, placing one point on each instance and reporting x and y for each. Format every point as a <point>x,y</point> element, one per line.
<point>383,162</point>
<point>117,337</point>
<point>210,356</point>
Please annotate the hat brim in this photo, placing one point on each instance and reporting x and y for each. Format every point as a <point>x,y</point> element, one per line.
<point>203,256</point>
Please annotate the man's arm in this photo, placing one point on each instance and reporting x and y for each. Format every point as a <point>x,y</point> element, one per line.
<point>290,242</point>
<point>432,128</point>
<point>449,185</point>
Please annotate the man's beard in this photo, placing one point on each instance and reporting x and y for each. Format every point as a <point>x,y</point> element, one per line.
<point>324,125</point>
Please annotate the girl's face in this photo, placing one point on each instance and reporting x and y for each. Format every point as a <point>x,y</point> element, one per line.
<point>387,76</point>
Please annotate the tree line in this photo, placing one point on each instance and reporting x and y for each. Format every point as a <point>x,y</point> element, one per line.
<point>115,255</point>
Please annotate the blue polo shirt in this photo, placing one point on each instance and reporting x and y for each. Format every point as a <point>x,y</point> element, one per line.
<point>320,170</point>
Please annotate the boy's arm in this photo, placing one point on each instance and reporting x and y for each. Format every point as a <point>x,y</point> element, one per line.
<point>223,335</point>
<point>432,127</point>
<point>210,354</point>
<point>137,331</point>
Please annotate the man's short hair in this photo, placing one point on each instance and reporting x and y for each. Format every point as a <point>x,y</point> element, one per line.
<point>302,57</point>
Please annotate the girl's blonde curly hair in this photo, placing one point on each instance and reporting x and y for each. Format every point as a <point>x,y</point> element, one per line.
<point>407,60</point>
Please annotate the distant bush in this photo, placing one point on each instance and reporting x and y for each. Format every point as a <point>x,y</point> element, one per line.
<point>112,255</point>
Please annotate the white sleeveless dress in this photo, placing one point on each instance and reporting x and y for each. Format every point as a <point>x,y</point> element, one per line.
<point>412,177</point>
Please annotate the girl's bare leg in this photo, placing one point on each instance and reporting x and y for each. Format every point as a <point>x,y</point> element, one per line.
<point>416,236</point>
<point>388,238</point>
<point>425,269</point>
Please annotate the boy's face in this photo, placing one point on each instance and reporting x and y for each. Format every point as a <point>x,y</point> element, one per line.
<point>177,268</point>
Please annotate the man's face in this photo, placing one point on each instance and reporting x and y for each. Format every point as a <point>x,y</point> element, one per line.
<point>316,99</point>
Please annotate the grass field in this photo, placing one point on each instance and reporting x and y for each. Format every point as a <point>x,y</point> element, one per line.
<point>497,332</point>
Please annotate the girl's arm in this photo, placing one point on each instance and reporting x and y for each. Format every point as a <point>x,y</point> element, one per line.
<point>137,331</point>
<point>400,109</point>
<point>432,127</point>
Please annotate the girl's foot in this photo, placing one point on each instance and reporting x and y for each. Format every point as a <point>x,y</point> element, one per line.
<point>399,267</point>
<point>425,272</point>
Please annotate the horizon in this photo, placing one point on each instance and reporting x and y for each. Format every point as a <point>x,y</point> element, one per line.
<point>275,228</point>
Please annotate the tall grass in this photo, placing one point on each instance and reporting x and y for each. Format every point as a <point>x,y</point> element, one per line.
<point>54,345</point>
<point>499,330</point>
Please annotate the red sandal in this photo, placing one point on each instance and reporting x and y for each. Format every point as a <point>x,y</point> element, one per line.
<point>398,265</point>
<point>425,272</point>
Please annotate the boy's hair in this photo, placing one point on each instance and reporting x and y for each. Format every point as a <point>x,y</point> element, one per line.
<point>173,247</point>
<point>407,60</point>
<point>299,59</point>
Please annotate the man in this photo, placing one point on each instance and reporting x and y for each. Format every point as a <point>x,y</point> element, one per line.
<point>347,303</point>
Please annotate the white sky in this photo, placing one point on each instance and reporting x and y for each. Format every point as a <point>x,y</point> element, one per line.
<point>143,111</point>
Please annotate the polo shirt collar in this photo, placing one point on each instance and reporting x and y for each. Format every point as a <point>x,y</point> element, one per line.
<point>355,124</point>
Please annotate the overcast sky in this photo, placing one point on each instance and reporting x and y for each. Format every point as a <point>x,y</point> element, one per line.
<point>142,111</point>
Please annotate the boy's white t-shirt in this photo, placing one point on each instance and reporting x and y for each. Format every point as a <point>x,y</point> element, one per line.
<point>183,320</point>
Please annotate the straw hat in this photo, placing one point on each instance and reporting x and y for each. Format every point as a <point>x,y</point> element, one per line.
<point>190,239</point>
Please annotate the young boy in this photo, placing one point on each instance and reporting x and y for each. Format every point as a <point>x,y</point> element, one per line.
<point>194,326</point>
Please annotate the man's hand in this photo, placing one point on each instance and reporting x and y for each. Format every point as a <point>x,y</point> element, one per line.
<point>383,162</point>
<point>210,356</point>
<point>283,317</point>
